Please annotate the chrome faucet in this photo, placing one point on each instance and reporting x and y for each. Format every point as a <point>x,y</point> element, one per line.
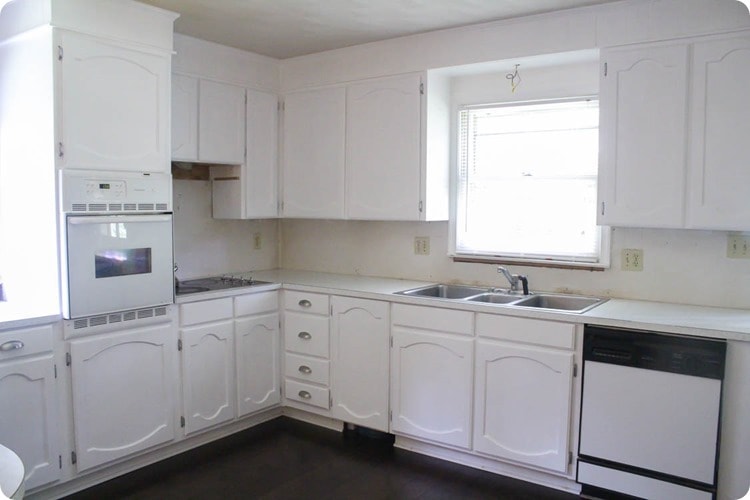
<point>513,279</point>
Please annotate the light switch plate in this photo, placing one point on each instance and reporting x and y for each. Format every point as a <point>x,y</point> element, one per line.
<point>738,246</point>
<point>422,245</point>
<point>632,259</point>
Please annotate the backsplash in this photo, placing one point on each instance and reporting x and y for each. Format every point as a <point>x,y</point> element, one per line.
<point>681,266</point>
<point>204,246</point>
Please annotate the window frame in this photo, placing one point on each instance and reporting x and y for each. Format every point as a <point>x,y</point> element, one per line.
<point>604,258</point>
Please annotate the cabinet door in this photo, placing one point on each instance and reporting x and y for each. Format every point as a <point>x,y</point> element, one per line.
<point>123,393</point>
<point>258,356</point>
<point>359,359</point>
<point>260,169</point>
<point>184,118</point>
<point>221,123</point>
<point>28,417</point>
<point>720,157</point>
<point>643,124</point>
<point>431,379</point>
<point>313,168</point>
<point>522,403</point>
<point>114,106</point>
<point>208,375</point>
<point>383,138</point>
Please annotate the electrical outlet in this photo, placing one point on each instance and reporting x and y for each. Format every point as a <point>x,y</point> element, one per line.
<point>632,259</point>
<point>738,246</point>
<point>257,241</point>
<point>422,245</point>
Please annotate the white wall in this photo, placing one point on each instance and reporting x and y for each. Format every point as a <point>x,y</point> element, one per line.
<point>682,266</point>
<point>206,247</point>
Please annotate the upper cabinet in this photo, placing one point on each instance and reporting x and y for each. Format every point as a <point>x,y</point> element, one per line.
<point>643,113</point>
<point>673,151</point>
<point>313,166</point>
<point>719,157</point>
<point>114,105</point>
<point>359,151</point>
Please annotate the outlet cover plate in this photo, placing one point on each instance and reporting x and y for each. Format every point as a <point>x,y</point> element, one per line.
<point>632,259</point>
<point>738,246</point>
<point>422,245</point>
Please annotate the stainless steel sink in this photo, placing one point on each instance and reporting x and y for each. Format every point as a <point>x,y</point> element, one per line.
<point>570,303</point>
<point>496,298</point>
<point>444,291</point>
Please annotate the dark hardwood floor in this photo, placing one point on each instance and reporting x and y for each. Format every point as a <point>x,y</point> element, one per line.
<point>286,459</point>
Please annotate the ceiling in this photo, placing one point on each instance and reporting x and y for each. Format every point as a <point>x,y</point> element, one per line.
<point>289,28</point>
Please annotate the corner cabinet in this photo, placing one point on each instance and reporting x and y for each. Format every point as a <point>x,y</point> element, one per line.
<point>432,366</point>
<point>672,143</point>
<point>643,133</point>
<point>123,393</point>
<point>114,106</point>
<point>360,335</point>
<point>523,392</point>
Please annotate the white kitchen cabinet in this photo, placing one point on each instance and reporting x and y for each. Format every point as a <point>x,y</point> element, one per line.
<point>383,148</point>
<point>314,153</point>
<point>643,134</point>
<point>257,352</point>
<point>208,374</point>
<point>28,390</point>
<point>184,118</point>
<point>523,389</point>
<point>719,181</point>
<point>114,105</point>
<point>360,348</point>
<point>250,190</point>
<point>221,122</point>
<point>123,393</point>
<point>431,374</point>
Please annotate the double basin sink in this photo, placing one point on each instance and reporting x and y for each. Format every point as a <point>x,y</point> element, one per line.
<point>547,301</point>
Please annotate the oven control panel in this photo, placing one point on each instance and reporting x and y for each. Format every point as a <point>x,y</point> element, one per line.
<point>92,191</point>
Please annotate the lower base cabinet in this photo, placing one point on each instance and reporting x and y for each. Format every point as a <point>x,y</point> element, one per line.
<point>123,393</point>
<point>28,408</point>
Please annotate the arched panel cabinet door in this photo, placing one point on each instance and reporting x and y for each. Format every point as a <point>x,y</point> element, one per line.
<point>431,386</point>
<point>115,106</point>
<point>359,360</point>
<point>522,403</point>
<point>258,373</point>
<point>123,393</point>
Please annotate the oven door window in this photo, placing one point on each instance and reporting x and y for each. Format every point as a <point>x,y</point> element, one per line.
<point>122,262</point>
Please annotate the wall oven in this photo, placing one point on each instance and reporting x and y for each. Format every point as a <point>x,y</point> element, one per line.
<point>117,242</point>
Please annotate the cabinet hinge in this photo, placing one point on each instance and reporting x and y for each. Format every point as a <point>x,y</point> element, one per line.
<point>60,150</point>
<point>391,342</point>
<point>59,53</point>
<point>421,88</point>
<point>179,344</point>
<point>55,370</point>
<point>281,106</point>
<point>605,69</point>
<point>182,422</point>
<point>68,359</point>
<point>603,208</point>
<point>570,458</point>
<point>575,370</point>
<point>330,402</point>
<point>390,415</point>
<point>59,460</point>
<point>73,457</point>
<point>421,206</point>
<point>331,310</point>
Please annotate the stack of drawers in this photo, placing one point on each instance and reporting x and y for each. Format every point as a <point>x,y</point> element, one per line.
<point>306,351</point>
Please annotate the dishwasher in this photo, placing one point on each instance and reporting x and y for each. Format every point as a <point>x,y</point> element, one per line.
<point>650,414</point>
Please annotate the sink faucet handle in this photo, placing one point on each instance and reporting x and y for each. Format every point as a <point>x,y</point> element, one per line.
<point>512,278</point>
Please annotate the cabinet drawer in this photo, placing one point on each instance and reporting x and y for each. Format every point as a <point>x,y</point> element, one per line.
<point>306,393</point>
<point>306,334</point>
<point>25,342</point>
<point>433,318</point>
<point>312,303</point>
<point>305,368</point>
<point>205,311</point>
<point>256,303</point>
<point>529,331</point>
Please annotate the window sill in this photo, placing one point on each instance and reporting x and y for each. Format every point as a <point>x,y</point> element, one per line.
<point>579,266</point>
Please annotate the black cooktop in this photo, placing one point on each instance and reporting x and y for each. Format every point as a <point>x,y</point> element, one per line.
<point>215,283</point>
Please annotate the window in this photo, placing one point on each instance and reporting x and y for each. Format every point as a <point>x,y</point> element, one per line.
<point>526,187</point>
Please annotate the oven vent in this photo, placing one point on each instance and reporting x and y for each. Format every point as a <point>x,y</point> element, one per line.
<point>161,207</point>
<point>145,313</point>
<point>79,207</point>
<point>97,207</point>
<point>80,323</point>
<point>115,318</point>
<point>160,311</point>
<point>128,316</point>
<point>129,207</point>
<point>98,321</point>
<point>146,207</point>
<point>115,207</point>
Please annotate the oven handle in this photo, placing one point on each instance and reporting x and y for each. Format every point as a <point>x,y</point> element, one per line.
<point>106,219</point>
